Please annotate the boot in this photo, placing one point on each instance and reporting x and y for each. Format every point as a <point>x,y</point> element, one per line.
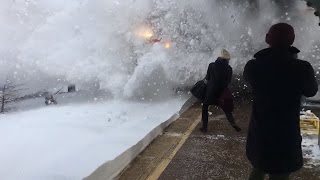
<point>237,128</point>
<point>204,129</point>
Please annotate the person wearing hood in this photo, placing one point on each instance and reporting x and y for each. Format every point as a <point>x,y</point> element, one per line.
<point>278,81</point>
<point>218,78</point>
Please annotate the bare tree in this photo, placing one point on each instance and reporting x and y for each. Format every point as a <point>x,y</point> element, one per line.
<point>8,94</point>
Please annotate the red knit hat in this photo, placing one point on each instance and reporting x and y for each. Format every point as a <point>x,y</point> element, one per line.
<point>280,35</point>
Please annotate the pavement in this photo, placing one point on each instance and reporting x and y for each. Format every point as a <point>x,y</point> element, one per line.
<point>182,152</point>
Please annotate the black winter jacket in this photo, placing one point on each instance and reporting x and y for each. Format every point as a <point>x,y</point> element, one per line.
<point>219,76</point>
<point>278,81</point>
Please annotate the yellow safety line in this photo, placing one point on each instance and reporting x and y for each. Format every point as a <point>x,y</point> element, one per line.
<point>165,162</point>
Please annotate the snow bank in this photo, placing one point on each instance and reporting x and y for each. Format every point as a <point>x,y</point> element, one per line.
<point>70,142</point>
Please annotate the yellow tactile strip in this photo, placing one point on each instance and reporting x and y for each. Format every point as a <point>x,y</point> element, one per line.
<point>165,162</point>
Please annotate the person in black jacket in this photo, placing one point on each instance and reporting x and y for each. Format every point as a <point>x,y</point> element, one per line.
<point>218,78</point>
<point>278,81</point>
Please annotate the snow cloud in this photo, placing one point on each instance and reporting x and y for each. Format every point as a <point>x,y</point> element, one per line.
<point>81,41</point>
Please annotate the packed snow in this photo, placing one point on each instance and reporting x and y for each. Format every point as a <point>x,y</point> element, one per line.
<point>70,142</point>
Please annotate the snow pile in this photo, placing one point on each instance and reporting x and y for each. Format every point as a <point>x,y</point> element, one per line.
<point>70,142</point>
<point>311,152</point>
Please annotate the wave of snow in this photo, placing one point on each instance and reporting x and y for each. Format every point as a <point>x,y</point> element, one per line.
<point>81,41</point>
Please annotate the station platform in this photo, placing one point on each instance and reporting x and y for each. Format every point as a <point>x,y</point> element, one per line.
<point>182,152</point>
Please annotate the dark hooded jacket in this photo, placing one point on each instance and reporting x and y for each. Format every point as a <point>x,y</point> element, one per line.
<point>278,81</point>
<point>218,76</point>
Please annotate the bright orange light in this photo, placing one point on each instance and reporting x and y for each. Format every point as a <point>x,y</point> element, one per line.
<point>167,45</point>
<point>145,32</point>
